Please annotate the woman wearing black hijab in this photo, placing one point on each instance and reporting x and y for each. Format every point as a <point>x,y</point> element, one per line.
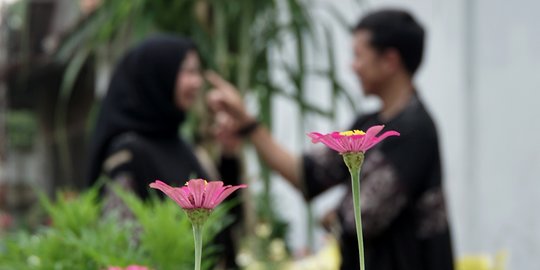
<point>136,139</point>
<point>136,134</point>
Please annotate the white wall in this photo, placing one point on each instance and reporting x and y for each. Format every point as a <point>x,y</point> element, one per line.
<point>481,80</point>
<point>506,85</point>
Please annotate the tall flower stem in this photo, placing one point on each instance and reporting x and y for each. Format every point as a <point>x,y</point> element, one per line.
<point>354,163</point>
<point>198,217</point>
<point>197,236</point>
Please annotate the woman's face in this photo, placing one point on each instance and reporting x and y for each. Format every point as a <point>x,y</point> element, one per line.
<point>188,81</point>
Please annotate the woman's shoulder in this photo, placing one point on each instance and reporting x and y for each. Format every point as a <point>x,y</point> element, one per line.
<point>125,150</point>
<point>128,140</point>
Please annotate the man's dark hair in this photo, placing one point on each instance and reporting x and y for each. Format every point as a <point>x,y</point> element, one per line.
<point>395,28</point>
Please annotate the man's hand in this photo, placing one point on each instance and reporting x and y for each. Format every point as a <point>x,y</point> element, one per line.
<point>224,97</point>
<point>224,130</point>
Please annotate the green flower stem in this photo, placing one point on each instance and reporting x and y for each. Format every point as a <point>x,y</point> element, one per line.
<point>354,163</point>
<point>197,236</point>
<point>198,217</point>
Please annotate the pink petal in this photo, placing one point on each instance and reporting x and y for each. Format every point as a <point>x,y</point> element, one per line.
<point>213,189</point>
<point>353,143</point>
<point>136,267</point>
<point>372,132</point>
<point>187,194</point>
<point>335,142</point>
<point>196,189</point>
<point>226,192</point>
<point>174,193</point>
<point>197,193</point>
<point>377,140</point>
<point>347,144</point>
<point>315,136</point>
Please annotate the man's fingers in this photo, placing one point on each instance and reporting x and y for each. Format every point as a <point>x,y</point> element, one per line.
<point>224,96</point>
<point>217,100</point>
<point>216,80</point>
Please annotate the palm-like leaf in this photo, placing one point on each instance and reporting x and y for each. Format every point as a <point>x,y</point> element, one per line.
<point>236,38</point>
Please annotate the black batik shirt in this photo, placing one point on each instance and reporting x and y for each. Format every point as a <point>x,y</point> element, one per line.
<point>404,217</point>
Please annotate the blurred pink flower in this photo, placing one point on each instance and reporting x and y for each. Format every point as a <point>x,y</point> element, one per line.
<point>197,193</point>
<point>352,141</point>
<point>6,221</point>
<point>131,267</point>
<point>136,267</point>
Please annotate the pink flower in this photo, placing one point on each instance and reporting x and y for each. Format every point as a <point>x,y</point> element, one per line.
<point>131,267</point>
<point>136,267</point>
<point>197,193</point>
<point>6,221</point>
<point>352,141</point>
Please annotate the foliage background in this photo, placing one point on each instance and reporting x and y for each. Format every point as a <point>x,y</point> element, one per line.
<point>243,40</point>
<point>80,237</point>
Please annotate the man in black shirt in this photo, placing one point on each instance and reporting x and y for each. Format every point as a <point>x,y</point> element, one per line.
<point>403,207</point>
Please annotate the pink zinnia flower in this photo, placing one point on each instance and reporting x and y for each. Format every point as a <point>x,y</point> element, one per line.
<point>198,198</point>
<point>131,267</point>
<point>352,145</point>
<point>197,193</point>
<point>352,141</point>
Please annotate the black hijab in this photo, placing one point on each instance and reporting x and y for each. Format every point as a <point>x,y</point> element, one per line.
<point>140,97</point>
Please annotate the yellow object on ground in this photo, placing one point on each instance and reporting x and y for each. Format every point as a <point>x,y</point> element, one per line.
<point>483,262</point>
<point>328,258</point>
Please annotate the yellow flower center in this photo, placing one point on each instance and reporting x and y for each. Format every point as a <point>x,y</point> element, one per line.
<point>352,132</point>
<point>205,183</point>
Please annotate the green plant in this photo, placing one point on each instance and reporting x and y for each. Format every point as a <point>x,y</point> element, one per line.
<point>21,129</point>
<point>159,236</point>
<point>244,40</point>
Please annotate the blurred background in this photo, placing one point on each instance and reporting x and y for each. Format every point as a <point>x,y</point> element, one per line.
<point>478,78</point>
